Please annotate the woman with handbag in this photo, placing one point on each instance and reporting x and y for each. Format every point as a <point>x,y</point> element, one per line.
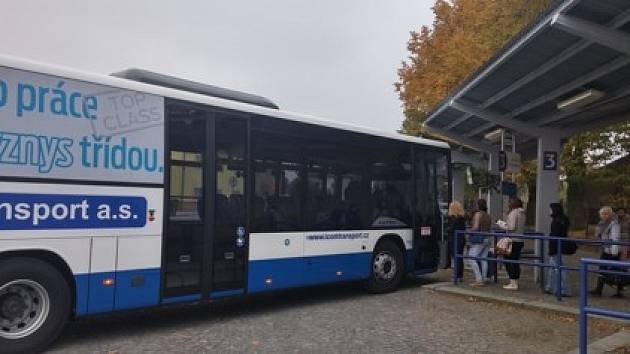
<point>515,224</point>
<point>559,228</point>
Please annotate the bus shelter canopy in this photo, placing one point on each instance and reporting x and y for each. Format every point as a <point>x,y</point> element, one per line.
<point>568,72</point>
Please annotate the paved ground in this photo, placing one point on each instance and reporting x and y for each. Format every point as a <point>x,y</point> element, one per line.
<point>332,319</point>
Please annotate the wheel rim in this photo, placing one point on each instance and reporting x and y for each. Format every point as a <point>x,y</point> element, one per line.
<point>24,306</point>
<point>384,266</point>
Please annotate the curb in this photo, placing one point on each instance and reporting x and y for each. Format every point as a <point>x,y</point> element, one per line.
<point>449,288</point>
<point>607,344</point>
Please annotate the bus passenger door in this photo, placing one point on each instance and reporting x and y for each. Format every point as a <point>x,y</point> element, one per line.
<point>205,241</point>
<point>432,198</point>
<point>229,240</point>
<point>186,224</point>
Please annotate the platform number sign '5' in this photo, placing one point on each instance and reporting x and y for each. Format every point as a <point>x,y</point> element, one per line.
<point>550,160</point>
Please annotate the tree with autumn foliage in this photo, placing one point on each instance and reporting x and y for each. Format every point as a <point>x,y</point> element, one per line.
<point>465,34</point>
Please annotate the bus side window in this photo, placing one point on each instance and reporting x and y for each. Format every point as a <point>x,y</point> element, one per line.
<point>391,188</point>
<point>186,189</point>
<point>335,190</point>
<point>277,183</point>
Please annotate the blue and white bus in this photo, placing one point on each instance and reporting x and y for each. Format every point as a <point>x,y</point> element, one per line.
<point>137,190</point>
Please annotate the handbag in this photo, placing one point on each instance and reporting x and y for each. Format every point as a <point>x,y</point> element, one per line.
<point>569,247</point>
<point>504,246</point>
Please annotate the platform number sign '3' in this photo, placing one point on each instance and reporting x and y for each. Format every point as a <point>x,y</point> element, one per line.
<point>550,161</point>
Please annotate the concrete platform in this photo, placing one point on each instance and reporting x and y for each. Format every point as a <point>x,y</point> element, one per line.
<point>616,343</point>
<point>515,300</point>
<point>530,296</point>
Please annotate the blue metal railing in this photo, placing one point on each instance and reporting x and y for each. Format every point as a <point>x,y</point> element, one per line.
<point>540,263</point>
<point>586,310</point>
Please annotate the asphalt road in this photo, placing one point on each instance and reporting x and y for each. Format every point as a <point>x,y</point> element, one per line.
<point>330,319</point>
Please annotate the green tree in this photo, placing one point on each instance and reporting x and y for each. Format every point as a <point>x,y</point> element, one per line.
<point>584,154</point>
<point>595,171</point>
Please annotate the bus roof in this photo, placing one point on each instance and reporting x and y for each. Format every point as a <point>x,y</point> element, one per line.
<point>38,67</point>
<point>153,78</point>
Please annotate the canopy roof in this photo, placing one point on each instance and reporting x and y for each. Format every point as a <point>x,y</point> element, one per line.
<point>577,46</point>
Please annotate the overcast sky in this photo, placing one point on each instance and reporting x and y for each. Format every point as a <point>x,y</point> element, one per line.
<point>332,58</point>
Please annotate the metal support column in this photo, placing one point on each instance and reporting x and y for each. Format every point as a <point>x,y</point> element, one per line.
<point>547,184</point>
<point>494,197</point>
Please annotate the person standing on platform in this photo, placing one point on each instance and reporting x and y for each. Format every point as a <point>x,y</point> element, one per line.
<point>608,230</point>
<point>479,243</point>
<point>624,233</point>
<point>559,228</point>
<point>456,222</point>
<point>515,224</point>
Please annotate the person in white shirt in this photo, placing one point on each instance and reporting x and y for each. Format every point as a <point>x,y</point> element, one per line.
<point>608,229</point>
<point>515,224</point>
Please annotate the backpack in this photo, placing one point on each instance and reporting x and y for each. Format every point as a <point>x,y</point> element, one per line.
<point>569,247</point>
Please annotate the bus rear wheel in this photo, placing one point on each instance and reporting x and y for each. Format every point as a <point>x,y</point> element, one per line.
<point>387,268</point>
<point>34,305</point>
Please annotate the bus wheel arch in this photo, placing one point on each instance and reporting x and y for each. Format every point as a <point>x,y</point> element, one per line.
<point>387,266</point>
<point>398,241</point>
<point>35,302</point>
<point>53,259</point>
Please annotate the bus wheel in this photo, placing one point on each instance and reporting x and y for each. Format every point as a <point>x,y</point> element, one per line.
<point>387,268</point>
<point>34,305</point>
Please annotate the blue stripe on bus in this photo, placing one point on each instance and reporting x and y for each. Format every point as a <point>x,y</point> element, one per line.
<point>137,288</point>
<point>275,274</point>
<point>101,297</point>
<point>271,274</point>
<point>327,269</point>
<point>226,293</point>
<point>132,289</point>
<point>82,283</point>
<point>184,298</point>
<point>141,287</point>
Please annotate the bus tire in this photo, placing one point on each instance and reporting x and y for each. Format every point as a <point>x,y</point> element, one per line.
<point>387,268</point>
<point>35,303</point>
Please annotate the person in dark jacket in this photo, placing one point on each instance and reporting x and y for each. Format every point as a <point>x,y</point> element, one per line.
<point>456,222</point>
<point>559,228</point>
